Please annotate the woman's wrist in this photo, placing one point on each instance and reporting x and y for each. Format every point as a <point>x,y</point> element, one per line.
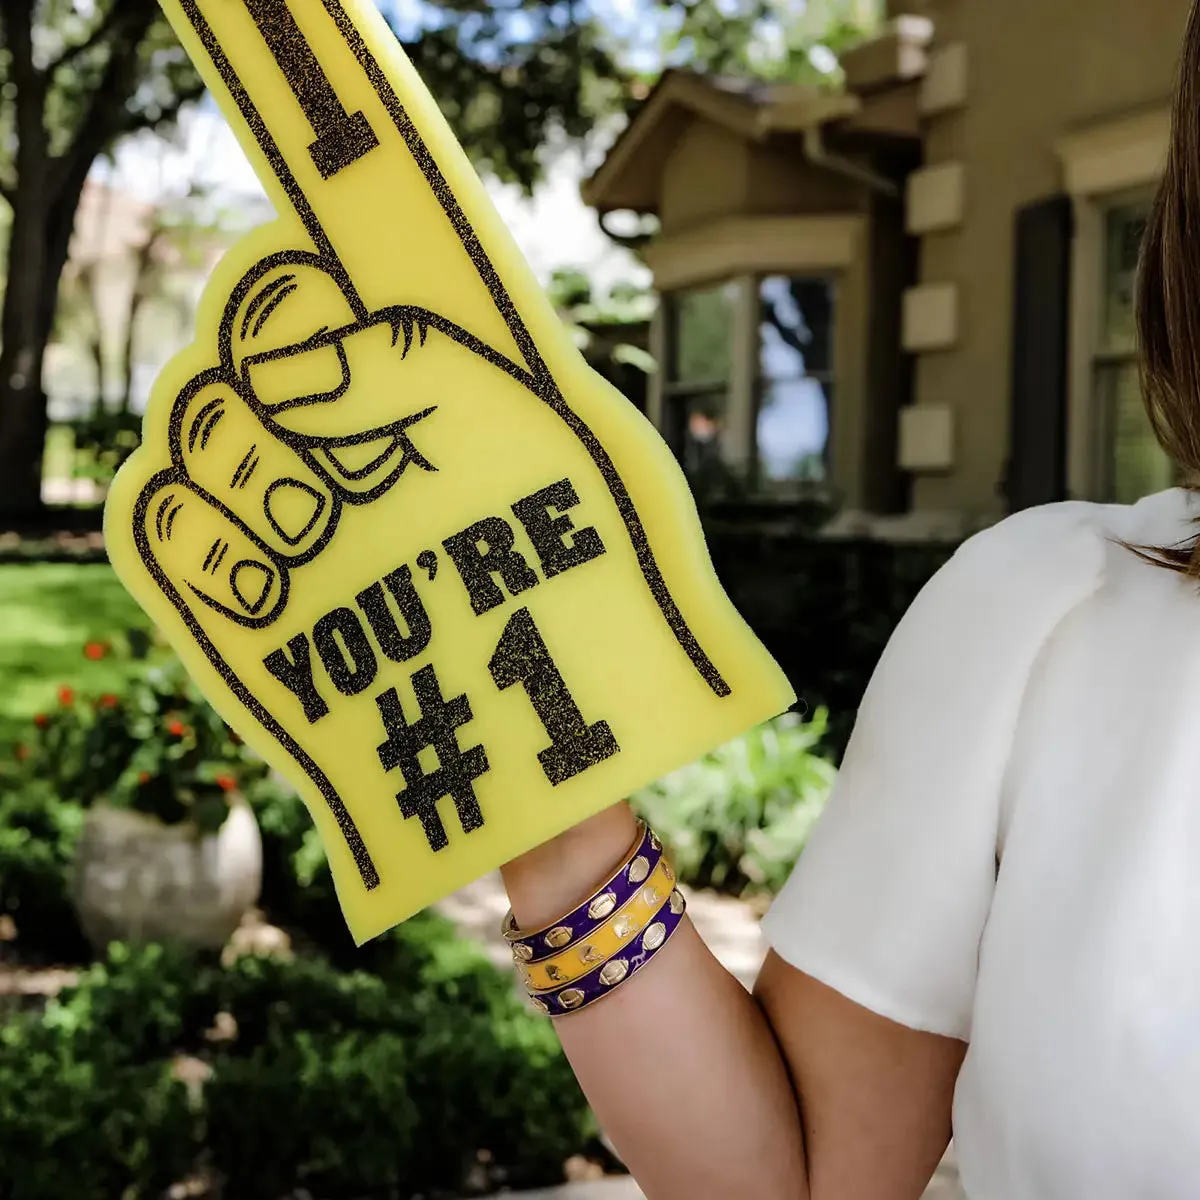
<point>555,877</point>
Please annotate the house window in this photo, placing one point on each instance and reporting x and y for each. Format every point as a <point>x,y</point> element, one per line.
<point>699,367</point>
<point>795,378</point>
<point>771,398</point>
<point>1131,462</point>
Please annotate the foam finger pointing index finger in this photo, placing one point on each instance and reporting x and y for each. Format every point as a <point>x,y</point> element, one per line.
<point>342,132</point>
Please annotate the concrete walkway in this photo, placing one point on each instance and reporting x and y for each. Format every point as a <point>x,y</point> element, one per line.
<point>731,931</point>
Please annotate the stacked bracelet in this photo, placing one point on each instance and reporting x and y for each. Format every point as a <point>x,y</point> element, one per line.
<point>611,935</point>
<point>576,960</point>
<point>634,870</point>
<point>620,967</point>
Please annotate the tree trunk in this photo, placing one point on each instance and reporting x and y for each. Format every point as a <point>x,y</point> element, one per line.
<point>45,199</point>
<point>39,242</point>
<point>142,279</point>
<point>22,351</point>
<point>95,339</point>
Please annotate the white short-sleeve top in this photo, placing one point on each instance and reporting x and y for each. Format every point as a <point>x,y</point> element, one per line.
<point>1011,855</point>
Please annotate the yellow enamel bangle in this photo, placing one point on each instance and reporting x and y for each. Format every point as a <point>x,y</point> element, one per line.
<point>607,939</point>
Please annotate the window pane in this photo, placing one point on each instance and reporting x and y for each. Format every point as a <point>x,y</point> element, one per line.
<point>1124,226</point>
<point>1136,465</point>
<point>701,333</point>
<point>795,326</point>
<point>792,433</point>
<point>796,334</point>
<point>695,425</point>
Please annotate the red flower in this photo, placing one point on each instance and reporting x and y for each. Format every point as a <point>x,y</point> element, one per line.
<point>66,695</point>
<point>41,720</point>
<point>143,777</point>
<point>108,700</point>
<point>176,728</point>
<point>21,751</point>
<point>95,650</point>
<point>227,783</point>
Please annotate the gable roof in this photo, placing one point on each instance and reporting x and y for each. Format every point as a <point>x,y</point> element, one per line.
<point>750,109</point>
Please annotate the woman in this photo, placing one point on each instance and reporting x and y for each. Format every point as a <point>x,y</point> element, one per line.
<point>996,925</point>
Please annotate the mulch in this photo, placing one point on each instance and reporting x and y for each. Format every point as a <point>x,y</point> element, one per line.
<point>55,534</point>
<point>64,545</point>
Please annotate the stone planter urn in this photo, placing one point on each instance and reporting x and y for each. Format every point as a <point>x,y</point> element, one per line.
<point>136,879</point>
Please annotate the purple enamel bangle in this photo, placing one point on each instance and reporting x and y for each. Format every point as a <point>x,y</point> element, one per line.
<point>633,872</point>
<point>621,966</point>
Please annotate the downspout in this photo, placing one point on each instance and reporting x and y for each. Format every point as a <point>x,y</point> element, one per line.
<point>817,153</point>
<point>631,241</point>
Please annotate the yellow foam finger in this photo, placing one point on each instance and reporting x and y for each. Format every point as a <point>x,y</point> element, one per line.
<point>433,568</point>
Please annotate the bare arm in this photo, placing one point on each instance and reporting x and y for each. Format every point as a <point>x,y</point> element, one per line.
<point>696,1081</point>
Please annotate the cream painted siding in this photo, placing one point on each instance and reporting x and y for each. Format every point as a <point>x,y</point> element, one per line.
<point>1038,69</point>
<point>782,181</point>
<point>713,173</point>
<point>706,175</point>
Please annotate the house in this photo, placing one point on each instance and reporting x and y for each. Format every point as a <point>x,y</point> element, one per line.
<point>915,292</point>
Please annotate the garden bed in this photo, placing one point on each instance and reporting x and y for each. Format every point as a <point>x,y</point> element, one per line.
<point>410,1066</point>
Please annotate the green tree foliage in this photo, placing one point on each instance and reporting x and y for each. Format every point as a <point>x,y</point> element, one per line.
<point>611,331</point>
<point>773,40</point>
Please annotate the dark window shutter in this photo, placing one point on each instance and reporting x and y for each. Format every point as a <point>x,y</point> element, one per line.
<point>1037,465</point>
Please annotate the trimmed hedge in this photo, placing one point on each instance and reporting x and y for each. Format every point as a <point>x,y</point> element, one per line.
<point>824,608</point>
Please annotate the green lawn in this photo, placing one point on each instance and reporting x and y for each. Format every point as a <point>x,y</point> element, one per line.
<point>48,612</point>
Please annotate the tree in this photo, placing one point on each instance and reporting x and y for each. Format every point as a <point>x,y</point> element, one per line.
<point>774,40</point>
<point>71,84</point>
<point>150,229</point>
<point>76,76</point>
<point>133,285</point>
<point>611,332</point>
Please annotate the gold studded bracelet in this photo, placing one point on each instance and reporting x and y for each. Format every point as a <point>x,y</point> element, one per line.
<point>622,966</point>
<point>576,960</point>
<point>614,893</point>
<point>611,935</point>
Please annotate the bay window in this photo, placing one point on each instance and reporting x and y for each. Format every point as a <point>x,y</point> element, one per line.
<point>700,324</point>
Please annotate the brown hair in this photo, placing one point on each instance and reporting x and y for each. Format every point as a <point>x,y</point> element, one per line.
<point>1168,295</point>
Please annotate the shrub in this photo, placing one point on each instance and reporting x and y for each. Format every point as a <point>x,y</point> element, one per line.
<point>85,1110</point>
<point>824,607</point>
<point>38,833</point>
<point>156,747</point>
<point>391,1081</point>
<point>333,1112</point>
<point>297,886</point>
<point>737,819</point>
<point>344,1083</point>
